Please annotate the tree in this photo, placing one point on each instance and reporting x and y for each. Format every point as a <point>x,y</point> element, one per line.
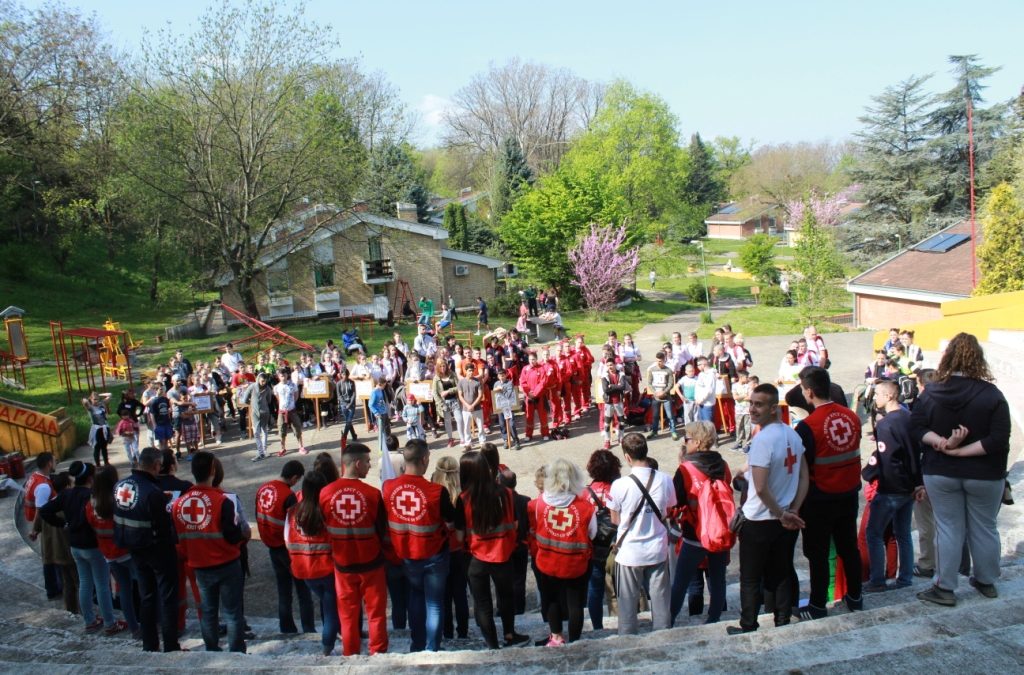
<point>947,126</point>
<point>819,266</point>
<point>782,173</point>
<point>702,185</point>
<point>826,209</point>
<point>248,112</point>
<point>758,258</point>
<point>1001,254</point>
<point>730,156</point>
<point>540,107</point>
<point>393,176</point>
<point>601,266</point>
<point>511,175</point>
<point>892,163</point>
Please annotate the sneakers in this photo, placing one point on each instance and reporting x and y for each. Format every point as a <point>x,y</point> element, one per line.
<point>555,641</point>
<point>94,626</point>
<point>282,453</point>
<point>302,450</point>
<point>258,458</point>
<point>738,630</point>
<point>874,588</point>
<point>607,444</point>
<point>516,640</point>
<point>675,436</point>
<point>652,434</point>
<point>923,572</point>
<point>988,590</point>
<point>518,447</point>
<point>116,628</point>
<point>810,612</point>
<point>451,443</point>
<point>938,596</point>
<point>476,333</point>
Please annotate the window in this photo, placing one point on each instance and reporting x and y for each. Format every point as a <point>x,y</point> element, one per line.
<point>277,278</point>
<point>323,265</point>
<point>376,247</point>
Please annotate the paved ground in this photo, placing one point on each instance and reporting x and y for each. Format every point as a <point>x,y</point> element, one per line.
<point>850,351</point>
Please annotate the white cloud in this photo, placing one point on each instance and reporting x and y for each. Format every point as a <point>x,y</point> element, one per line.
<point>431,109</point>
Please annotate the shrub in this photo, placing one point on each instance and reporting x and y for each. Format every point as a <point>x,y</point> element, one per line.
<point>697,292</point>
<point>506,304</point>
<point>772,296</point>
<point>705,318</point>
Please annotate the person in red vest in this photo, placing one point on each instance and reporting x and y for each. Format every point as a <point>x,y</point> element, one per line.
<point>567,372</point>
<point>207,526</point>
<point>584,382</point>
<point>562,525</point>
<point>552,386</point>
<point>533,385</point>
<point>486,521</point>
<point>273,500</point>
<point>419,515</point>
<point>309,554</point>
<point>38,491</point>
<point>831,438</point>
<point>354,515</point>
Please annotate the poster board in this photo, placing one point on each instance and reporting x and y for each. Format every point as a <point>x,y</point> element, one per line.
<point>202,403</point>
<point>316,387</point>
<point>423,390</point>
<point>16,337</point>
<point>497,401</point>
<point>363,389</point>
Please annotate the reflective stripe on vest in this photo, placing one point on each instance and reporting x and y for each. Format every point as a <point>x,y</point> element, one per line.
<point>500,529</point>
<point>269,519</point>
<point>200,535</point>
<point>295,547</point>
<point>838,459</point>
<point>564,545</point>
<point>131,522</point>
<point>352,531</point>
<point>409,527</point>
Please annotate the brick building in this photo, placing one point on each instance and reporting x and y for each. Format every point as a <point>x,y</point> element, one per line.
<point>324,263</point>
<point>740,220</point>
<point>911,286</point>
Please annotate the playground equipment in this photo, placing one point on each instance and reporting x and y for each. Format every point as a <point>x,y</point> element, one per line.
<point>83,348</point>
<point>263,332</point>
<point>14,358</point>
<point>114,359</point>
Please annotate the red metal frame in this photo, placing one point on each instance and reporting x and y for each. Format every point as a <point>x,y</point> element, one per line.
<point>263,332</point>
<point>90,338</point>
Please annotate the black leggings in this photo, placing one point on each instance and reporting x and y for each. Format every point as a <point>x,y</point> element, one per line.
<point>564,598</point>
<point>480,576</point>
<point>99,447</point>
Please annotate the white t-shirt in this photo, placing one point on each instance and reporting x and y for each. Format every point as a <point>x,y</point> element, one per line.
<point>647,541</point>
<point>779,449</point>
<point>231,361</point>
<point>286,394</point>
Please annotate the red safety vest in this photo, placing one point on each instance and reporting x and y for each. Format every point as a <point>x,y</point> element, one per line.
<point>836,465</point>
<point>34,481</point>
<point>562,537</point>
<point>104,529</point>
<point>270,511</point>
<point>413,505</point>
<point>196,516</point>
<point>310,555</point>
<point>350,509</point>
<point>497,545</point>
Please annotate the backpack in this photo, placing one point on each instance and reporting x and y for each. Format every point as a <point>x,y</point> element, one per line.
<point>606,530</point>
<point>715,510</point>
<point>908,389</point>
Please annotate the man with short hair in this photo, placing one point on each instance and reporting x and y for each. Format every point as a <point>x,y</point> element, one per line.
<point>481,315</point>
<point>287,395</point>
<point>831,438</point>
<point>776,487</point>
<point>143,525</point>
<point>273,500</point>
<point>418,511</point>
<point>424,343</point>
<point>638,503</point>
<point>471,396</point>
<point>39,491</point>
<point>211,537</point>
<point>356,521</point>
<point>660,380</point>
<point>231,359</point>
<point>533,385</point>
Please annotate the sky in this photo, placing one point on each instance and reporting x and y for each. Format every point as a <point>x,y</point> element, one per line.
<point>767,72</point>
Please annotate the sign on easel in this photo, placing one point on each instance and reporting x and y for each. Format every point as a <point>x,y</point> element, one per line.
<point>317,389</point>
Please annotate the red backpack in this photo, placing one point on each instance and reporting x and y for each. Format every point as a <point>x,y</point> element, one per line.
<point>714,512</point>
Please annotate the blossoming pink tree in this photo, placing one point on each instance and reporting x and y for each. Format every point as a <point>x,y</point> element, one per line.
<point>826,209</point>
<point>601,267</point>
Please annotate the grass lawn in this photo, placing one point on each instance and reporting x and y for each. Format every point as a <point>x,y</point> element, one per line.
<point>625,320</point>
<point>760,320</point>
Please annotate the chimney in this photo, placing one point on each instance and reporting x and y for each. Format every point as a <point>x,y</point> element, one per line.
<point>407,212</point>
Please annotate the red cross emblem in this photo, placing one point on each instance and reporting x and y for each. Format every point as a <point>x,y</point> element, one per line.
<point>348,506</point>
<point>790,459</point>
<point>194,511</point>
<point>839,431</point>
<point>408,503</point>
<point>560,520</point>
<point>127,495</point>
<point>266,498</point>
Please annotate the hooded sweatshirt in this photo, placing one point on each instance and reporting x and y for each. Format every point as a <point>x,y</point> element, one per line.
<point>709,463</point>
<point>979,406</point>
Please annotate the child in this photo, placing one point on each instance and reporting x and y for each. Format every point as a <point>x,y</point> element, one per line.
<point>504,401</point>
<point>189,430</point>
<point>741,395</point>
<point>128,429</point>
<point>379,409</point>
<point>471,395</point>
<point>612,391</point>
<point>411,414</point>
<point>686,390</point>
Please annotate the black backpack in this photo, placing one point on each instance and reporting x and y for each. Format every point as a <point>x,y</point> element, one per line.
<point>606,530</point>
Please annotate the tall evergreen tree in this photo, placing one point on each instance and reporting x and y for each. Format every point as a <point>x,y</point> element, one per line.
<point>947,126</point>
<point>393,176</point>
<point>702,185</point>
<point>461,240</point>
<point>511,175</point>
<point>451,223</point>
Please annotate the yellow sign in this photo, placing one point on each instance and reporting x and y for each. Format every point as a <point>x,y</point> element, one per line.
<point>29,419</point>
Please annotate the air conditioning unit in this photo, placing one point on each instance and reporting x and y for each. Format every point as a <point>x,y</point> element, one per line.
<point>462,270</point>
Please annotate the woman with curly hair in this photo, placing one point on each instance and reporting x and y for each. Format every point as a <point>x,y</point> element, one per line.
<point>604,469</point>
<point>963,423</point>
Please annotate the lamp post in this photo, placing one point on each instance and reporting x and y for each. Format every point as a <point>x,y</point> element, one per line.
<point>707,291</point>
<point>899,243</point>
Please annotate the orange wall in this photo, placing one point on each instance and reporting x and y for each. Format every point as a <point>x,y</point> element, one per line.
<point>884,313</point>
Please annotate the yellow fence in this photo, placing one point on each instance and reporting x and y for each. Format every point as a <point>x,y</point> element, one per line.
<point>973,315</point>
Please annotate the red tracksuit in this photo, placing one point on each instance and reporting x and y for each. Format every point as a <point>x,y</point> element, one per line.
<point>582,390</point>
<point>553,391</point>
<point>533,382</point>
<point>567,372</point>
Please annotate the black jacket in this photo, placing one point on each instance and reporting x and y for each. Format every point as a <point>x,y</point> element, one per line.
<point>72,503</point>
<point>979,406</point>
<point>710,464</point>
<point>896,461</point>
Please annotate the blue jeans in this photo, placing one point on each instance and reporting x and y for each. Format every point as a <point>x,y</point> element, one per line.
<point>897,508</point>
<point>706,413</point>
<point>124,573</point>
<point>427,579</point>
<point>690,558</point>
<point>666,406</point>
<point>323,589</point>
<point>218,586</point>
<point>595,594</point>
<point>93,575</point>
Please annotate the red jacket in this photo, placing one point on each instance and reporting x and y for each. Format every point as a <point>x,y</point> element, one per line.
<point>553,376</point>
<point>34,481</point>
<point>352,510</point>
<point>533,380</point>
<point>413,506</point>
<point>104,529</point>
<point>310,555</point>
<point>497,545</point>
<point>562,537</point>
<point>584,359</point>
<point>568,370</point>
<point>196,516</point>
<point>271,508</point>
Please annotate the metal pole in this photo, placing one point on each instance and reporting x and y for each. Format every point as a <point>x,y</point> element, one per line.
<point>970,164</point>
<point>707,291</point>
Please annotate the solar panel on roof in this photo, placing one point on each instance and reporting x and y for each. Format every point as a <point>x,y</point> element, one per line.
<point>940,243</point>
<point>732,208</point>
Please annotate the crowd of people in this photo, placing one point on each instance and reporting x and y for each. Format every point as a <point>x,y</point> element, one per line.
<point>594,537</point>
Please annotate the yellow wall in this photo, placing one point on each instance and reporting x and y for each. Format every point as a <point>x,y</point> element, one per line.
<point>972,315</point>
